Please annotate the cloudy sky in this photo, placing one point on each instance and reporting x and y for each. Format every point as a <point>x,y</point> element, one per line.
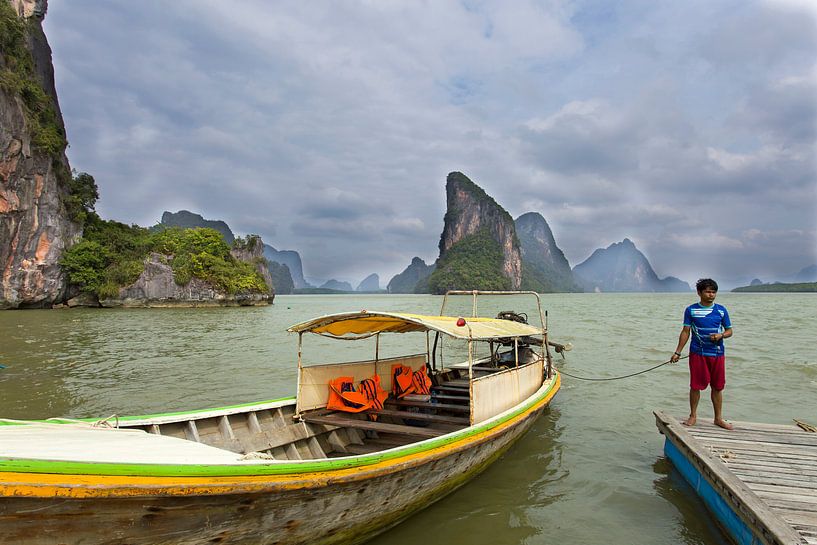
<point>329,127</point>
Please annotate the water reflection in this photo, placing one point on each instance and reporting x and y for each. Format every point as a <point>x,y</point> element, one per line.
<point>695,525</point>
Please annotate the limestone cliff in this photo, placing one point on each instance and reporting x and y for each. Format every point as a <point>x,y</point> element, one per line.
<point>288,270</point>
<point>189,220</point>
<point>35,223</point>
<point>292,260</point>
<point>157,287</point>
<point>336,285</point>
<point>545,268</point>
<point>370,283</point>
<point>412,279</point>
<point>622,267</point>
<point>474,218</point>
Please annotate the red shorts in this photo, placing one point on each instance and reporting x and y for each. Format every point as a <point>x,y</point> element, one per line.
<point>706,370</point>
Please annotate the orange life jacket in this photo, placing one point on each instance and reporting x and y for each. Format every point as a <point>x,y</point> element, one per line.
<point>401,380</point>
<point>373,392</point>
<point>405,382</point>
<point>420,381</point>
<point>344,397</point>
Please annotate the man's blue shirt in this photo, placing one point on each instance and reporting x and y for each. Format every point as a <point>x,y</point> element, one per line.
<point>703,321</point>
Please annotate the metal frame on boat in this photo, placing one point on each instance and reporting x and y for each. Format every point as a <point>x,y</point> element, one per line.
<point>283,471</point>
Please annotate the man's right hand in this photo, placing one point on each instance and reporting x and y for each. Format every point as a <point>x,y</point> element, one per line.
<point>675,357</point>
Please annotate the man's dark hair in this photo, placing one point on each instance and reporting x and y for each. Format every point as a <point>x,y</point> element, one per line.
<point>705,284</point>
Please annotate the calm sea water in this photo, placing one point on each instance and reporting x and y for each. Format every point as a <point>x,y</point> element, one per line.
<point>592,469</point>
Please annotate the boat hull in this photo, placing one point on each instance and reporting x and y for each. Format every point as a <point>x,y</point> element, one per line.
<point>348,505</point>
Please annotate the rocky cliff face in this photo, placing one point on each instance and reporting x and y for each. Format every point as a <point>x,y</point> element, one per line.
<point>35,226</point>
<point>189,220</point>
<point>370,283</point>
<point>254,253</point>
<point>409,280</point>
<point>470,210</point>
<point>292,260</point>
<point>622,267</point>
<point>156,287</point>
<point>545,265</point>
<point>336,285</point>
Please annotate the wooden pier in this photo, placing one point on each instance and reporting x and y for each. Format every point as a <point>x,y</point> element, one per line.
<point>758,480</point>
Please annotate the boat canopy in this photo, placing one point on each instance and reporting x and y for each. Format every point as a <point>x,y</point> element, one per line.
<point>371,322</point>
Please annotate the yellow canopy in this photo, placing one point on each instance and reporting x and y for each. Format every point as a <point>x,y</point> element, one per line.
<point>365,322</point>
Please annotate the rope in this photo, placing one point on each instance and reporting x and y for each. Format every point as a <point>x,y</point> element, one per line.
<point>625,376</point>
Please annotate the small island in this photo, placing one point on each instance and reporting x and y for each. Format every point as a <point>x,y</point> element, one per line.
<point>779,287</point>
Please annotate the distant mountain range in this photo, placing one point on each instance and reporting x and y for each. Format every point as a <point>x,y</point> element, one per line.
<point>482,247</point>
<point>622,267</point>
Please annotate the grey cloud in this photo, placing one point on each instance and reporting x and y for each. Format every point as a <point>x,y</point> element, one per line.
<point>636,119</point>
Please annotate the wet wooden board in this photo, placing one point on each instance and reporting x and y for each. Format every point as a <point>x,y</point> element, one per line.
<point>766,473</point>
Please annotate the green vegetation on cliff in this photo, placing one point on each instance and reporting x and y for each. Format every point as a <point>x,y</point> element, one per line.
<point>281,277</point>
<point>779,287</point>
<point>17,77</point>
<point>475,262</point>
<point>112,255</point>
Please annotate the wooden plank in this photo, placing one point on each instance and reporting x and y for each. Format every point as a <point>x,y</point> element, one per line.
<point>333,420</point>
<point>793,490</point>
<point>455,390</point>
<point>791,505</point>
<point>253,424</point>
<point>225,429</point>
<point>769,465</point>
<point>760,426</point>
<point>428,405</point>
<point>737,494</point>
<point>421,416</point>
<point>443,397</point>
<point>191,431</point>
<point>801,438</point>
<point>769,495</point>
<point>768,449</point>
<point>786,459</point>
<point>802,518</point>
<point>776,479</point>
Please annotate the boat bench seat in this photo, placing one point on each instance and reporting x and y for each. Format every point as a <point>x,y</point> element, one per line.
<point>336,419</point>
<point>428,405</point>
<point>407,415</point>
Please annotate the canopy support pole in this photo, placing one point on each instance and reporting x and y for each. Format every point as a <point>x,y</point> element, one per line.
<point>470,378</point>
<point>516,351</point>
<point>300,366</point>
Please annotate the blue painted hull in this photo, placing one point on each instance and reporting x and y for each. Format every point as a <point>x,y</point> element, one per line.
<point>726,517</point>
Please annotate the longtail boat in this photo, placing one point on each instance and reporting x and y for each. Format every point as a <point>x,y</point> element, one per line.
<point>362,445</point>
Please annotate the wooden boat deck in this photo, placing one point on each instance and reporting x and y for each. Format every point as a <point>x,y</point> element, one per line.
<point>760,480</point>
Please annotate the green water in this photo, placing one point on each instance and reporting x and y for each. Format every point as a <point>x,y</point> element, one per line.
<point>591,470</point>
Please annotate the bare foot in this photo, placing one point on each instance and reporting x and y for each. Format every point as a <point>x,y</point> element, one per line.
<point>690,421</point>
<point>724,424</point>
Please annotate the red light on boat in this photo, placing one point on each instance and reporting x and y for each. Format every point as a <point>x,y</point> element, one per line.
<point>460,322</point>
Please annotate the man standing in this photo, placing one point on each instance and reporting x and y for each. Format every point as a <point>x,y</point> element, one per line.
<point>709,325</point>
